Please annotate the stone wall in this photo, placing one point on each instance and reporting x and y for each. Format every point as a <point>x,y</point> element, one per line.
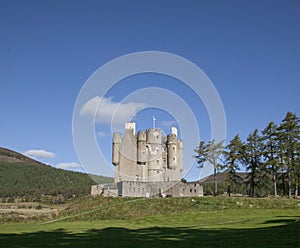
<point>149,189</point>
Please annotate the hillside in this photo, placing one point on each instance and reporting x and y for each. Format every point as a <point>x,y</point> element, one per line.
<point>9,156</point>
<point>23,176</point>
<point>240,186</point>
<point>222,177</point>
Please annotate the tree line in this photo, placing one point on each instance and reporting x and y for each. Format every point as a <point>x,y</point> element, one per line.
<point>270,156</point>
<point>33,181</point>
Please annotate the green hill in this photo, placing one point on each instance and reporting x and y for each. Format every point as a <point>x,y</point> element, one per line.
<point>24,177</point>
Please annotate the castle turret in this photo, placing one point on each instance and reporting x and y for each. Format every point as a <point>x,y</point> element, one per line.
<point>116,148</point>
<point>154,144</point>
<point>154,136</point>
<point>174,131</point>
<point>180,154</point>
<point>142,148</point>
<point>130,128</point>
<point>172,151</point>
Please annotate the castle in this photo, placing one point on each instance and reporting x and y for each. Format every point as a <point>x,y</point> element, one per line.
<point>147,156</point>
<point>147,164</point>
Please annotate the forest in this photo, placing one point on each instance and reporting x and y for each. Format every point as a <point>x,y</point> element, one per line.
<point>30,180</point>
<point>271,158</point>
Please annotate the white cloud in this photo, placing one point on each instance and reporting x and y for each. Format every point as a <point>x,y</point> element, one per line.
<point>39,154</point>
<point>169,124</point>
<point>109,111</point>
<point>101,134</point>
<point>70,165</point>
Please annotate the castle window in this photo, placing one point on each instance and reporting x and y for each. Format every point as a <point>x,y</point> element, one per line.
<point>157,161</point>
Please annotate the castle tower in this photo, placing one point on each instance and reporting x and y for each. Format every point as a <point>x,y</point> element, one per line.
<point>180,153</point>
<point>142,148</point>
<point>172,151</point>
<point>142,156</point>
<point>116,148</point>
<point>154,145</point>
<point>179,159</point>
<point>127,169</point>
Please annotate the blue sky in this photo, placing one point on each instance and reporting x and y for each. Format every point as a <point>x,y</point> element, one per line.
<point>48,49</point>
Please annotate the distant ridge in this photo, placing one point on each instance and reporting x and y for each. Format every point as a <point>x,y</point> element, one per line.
<point>9,156</point>
<point>24,176</point>
<point>222,177</point>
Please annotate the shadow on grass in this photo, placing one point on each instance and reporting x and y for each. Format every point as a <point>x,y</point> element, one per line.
<point>286,235</point>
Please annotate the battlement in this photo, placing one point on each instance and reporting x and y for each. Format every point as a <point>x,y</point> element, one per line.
<point>153,136</point>
<point>117,138</point>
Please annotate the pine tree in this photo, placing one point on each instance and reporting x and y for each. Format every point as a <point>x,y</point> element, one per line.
<point>289,136</point>
<point>233,155</point>
<point>270,153</point>
<point>253,159</point>
<point>202,153</point>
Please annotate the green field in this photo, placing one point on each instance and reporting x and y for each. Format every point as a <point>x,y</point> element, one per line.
<point>174,222</point>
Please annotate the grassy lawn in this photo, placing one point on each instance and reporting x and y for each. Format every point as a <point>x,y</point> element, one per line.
<point>211,223</point>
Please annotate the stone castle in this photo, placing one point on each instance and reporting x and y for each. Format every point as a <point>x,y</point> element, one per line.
<point>147,156</point>
<point>147,164</point>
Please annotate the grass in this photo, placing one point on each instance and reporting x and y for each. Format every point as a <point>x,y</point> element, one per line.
<point>174,222</point>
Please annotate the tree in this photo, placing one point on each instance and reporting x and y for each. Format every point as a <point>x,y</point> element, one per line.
<point>253,159</point>
<point>233,154</point>
<point>202,153</point>
<point>270,153</point>
<point>289,136</point>
<point>211,153</point>
<point>215,150</point>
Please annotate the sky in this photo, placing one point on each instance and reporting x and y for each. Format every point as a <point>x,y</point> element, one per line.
<point>49,49</point>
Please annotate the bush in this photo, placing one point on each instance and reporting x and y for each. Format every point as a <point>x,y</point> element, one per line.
<point>38,207</point>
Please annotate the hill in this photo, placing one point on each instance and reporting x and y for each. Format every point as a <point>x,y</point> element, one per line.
<point>25,177</point>
<point>9,156</point>
<point>240,186</point>
<point>222,177</point>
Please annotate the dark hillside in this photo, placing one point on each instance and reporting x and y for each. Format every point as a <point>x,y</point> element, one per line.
<point>222,177</point>
<point>9,156</point>
<point>23,177</point>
